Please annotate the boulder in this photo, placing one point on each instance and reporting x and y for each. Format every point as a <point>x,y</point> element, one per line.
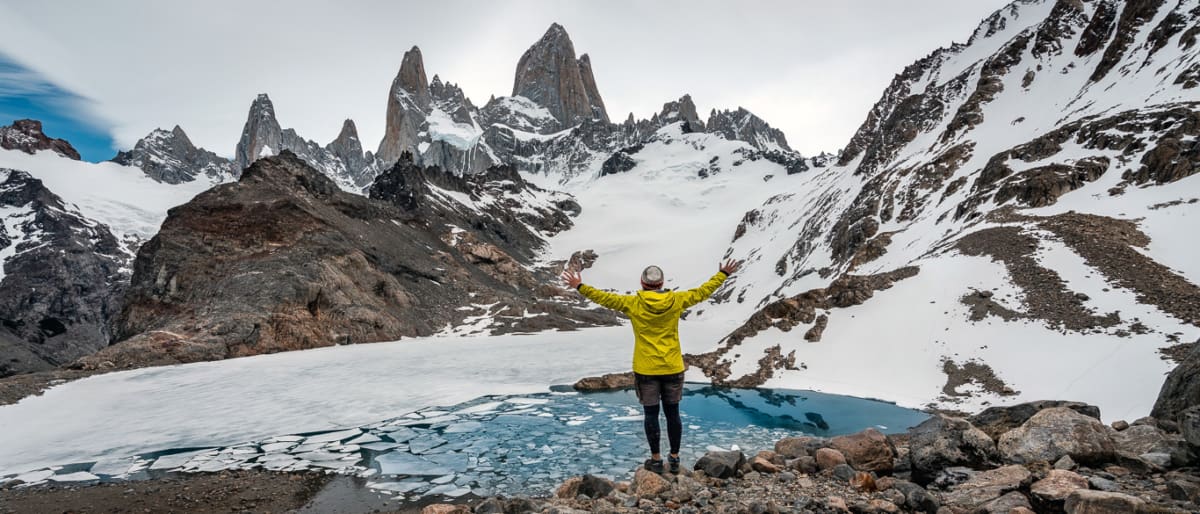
<point>995,421</point>
<point>1057,485</point>
<point>916,498</point>
<point>721,464</point>
<point>868,450</point>
<point>829,458</point>
<point>843,472</point>
<point>1148,439</point>
<point>942,442</point>
<point>987,486</point>
<point>1181,390</point>
<point>794,447</point>
<point>648,483</point>
<point>594,487</point>
<point>763,465</point>
<point>1084,501</point>
<point>1005,504</point>
<point>445,508</point>
<point>1056,432</point>
<point>609,382</point>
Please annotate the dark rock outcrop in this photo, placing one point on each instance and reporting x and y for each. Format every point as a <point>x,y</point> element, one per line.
<point>942,442</point>
<point>1181,390</point>
<point>743,125</point>
<point>27,136</point>
<point>60,280</point>
<point>169,156</point>
<point>283,259</point>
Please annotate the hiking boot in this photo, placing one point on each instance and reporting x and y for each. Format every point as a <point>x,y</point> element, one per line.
<point>674,462</point>
<point>655,466</point>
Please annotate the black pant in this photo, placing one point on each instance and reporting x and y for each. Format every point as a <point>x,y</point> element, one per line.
<point>667,389</point>
<point>674,426</point>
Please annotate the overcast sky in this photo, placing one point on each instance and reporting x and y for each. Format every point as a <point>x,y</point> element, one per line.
<point>811,68</point>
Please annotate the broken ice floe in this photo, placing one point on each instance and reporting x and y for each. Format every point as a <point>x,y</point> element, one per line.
<point>511,445</point>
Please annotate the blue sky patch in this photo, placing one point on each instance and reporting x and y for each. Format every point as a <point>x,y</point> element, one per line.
<point>24,93</point>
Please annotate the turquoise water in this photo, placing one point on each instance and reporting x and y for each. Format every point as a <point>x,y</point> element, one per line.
<point>524,444</point>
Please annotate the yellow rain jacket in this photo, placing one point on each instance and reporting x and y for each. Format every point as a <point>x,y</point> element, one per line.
<point>655,316</point>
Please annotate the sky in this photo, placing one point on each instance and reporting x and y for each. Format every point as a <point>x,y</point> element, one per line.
<point>122,68</point>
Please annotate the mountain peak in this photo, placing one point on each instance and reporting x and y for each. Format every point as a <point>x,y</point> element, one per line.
<point>261,134</point>
<point>550,75</point>
<point>27,136</point>
<point>409,100</point>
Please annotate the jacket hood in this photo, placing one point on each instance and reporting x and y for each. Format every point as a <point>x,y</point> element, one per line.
<point>657,302</point>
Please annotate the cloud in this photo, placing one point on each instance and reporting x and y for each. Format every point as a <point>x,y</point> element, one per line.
<point>811,68</point>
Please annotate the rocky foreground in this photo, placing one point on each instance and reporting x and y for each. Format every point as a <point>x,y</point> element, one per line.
<point>1034,457</point>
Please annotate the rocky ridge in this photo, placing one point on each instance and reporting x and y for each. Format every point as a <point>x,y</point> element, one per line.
<point>169,156</point>
<point>61,279</point>
<point>283,259</point>
<point>27,136</point>
<point>973,151</point>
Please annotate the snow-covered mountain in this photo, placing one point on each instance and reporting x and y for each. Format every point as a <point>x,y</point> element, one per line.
<point>1011,221</point>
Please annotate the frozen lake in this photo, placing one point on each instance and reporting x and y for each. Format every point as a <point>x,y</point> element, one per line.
<point>515,444</point>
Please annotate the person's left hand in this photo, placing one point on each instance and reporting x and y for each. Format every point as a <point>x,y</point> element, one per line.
<point>572,278</point>
<point>730,266</point>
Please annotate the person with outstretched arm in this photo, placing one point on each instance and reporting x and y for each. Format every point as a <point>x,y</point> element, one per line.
<point>657,358</point>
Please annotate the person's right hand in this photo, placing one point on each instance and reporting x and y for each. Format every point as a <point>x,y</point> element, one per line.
<point>730,266</point>
<point>572,278</point>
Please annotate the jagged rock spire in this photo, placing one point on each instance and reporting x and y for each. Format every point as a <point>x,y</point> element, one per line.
<point>27,136</point>
<point>550,75</point>
<point>408,101</point>
<point>347,146</point>
<point>261,136</point>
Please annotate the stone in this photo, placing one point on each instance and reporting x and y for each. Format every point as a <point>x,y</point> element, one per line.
<point>829,458</point>
<point>648,483</point>
<point>1148,439</point>
<point>995,421</point>
<point>569,488</point>
<point>793,447</point>
<point>721,464</point>
<point>595,487</point>
<point>837,503</point>
<point>1159,459</point>
<point>843,472</point>
<point>1005,504</point>
<point>1103,484</point>
<point>916,498</point>
<point>1120,425</point>
<point>1057,485</point>
<point>1065,463</point>
<point>868,450</point>
<point>1085,501</point>
<point>1184,490</point>
<point>942,442</point>
<point>445,508</point>
<point>1054,433</point>
<point>882,507</point>
<point>609,382</point>
<point>762,465</point>
<point>806,464</point>
<point>987,486</point>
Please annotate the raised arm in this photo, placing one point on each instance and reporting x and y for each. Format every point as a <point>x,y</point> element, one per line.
<point>699,294</point>
<point>617,302</point>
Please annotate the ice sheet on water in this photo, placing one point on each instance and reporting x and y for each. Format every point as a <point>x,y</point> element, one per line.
<point>364,439</point>
<point>176,460</point>
<point>425,443</point>
<point>403,486</point>
<point>35,476</point>
<point>277,447</point>
<point>381,446</point>
<point>449,490</point>
<point>401,434</point>
<point>78,476</point>
<point>463,426</point>
<point>340,435</point>
<point>397,463</point>
<point>112,467</point>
